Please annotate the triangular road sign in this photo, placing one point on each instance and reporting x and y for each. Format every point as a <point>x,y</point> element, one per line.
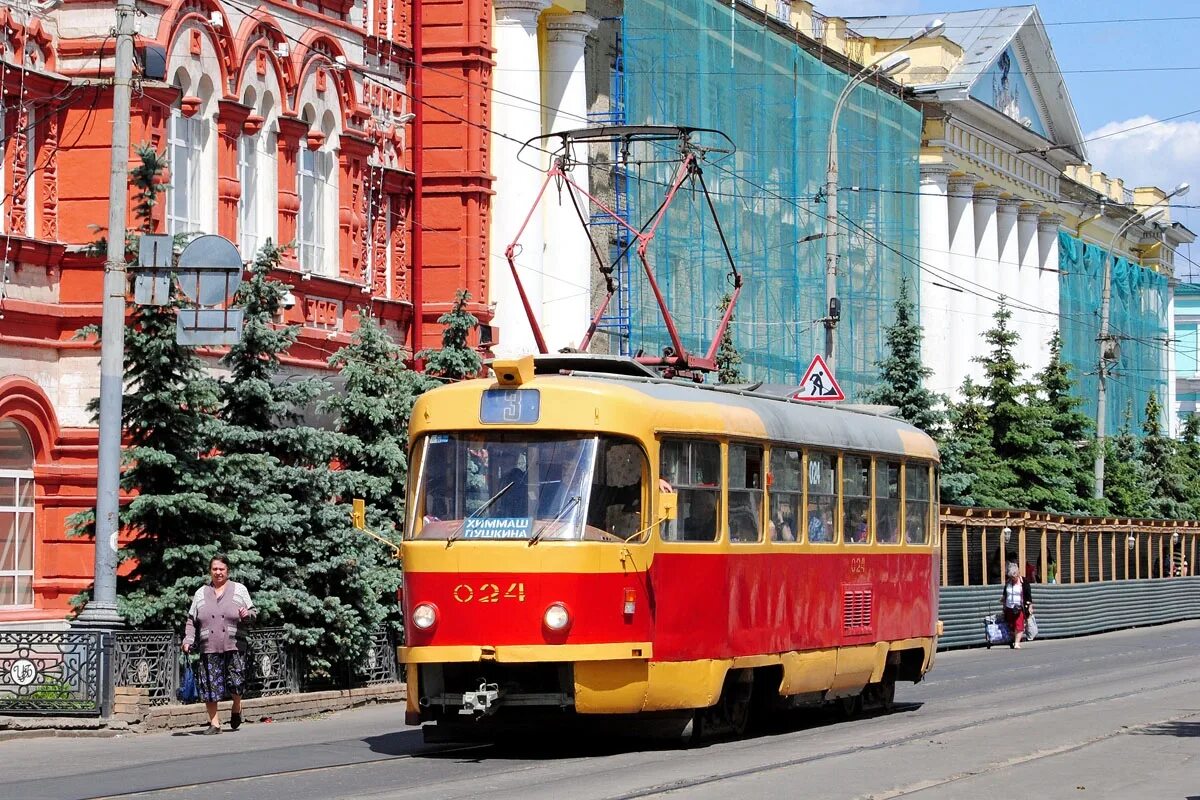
<point>818,383</point>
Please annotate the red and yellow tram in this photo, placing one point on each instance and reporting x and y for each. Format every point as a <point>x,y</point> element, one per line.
<point>587,539</point>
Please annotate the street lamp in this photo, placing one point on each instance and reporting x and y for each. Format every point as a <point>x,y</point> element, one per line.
<point>892,63</point>
<point>1108,343</point>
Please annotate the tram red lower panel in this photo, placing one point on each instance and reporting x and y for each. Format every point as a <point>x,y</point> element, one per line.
<point>693,606</point>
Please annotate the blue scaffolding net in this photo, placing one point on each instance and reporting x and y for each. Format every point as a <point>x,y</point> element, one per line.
<point>1138,318</point>
<point>700,63</point>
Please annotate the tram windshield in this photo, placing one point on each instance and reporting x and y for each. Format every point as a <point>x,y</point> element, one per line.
<point>560,487</point>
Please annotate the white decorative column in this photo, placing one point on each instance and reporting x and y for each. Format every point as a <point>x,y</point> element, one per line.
<point>1047,283</point>
<point>1006,268</point>
<point>935,298</point>
<point>566,298</point>
<point>1172,404</point>
<point>1029,272</point>
<point>517,75</point>
<point>987,256</point>
<point>965,343</point>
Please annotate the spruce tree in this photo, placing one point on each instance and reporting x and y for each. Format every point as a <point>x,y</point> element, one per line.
<point>728,357</point>
<point>972,473</point>
<point>328,584</point>
<point>902,373</point>
<point>373,410</point>
<point>1073,439</point>
<point>1189,461</point>
<point>456,360</point>
<point>1125,479</point>
<point>1165,476</point>
<point>165,420</point>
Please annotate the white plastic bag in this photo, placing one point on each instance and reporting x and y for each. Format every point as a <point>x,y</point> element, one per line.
<point>1031,627</point>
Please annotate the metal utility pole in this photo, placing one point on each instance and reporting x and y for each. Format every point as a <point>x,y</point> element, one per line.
<point>101,610</point>
<point>886,67</point>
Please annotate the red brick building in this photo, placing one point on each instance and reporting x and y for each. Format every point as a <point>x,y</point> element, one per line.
<point>281,119</point>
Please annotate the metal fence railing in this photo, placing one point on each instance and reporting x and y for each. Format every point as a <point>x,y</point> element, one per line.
<point>73,672</point>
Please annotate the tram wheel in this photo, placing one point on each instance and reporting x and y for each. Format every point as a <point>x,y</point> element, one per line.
<point>850,707</point>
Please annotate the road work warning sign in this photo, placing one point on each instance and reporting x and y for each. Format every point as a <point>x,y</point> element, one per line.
<point>818,383</point>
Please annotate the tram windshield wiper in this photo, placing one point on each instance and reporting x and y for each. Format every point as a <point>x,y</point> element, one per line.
<point>567,506</point>
<point>458,531</point>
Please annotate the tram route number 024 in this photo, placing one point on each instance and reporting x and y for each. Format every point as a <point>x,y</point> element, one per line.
<point>489,593</point>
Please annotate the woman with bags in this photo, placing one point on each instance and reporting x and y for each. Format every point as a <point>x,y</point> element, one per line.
<point>1017,601</point>
<point>216,624</point>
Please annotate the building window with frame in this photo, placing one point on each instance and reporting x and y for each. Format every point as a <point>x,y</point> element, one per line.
<point>185,152</point>
<point>16,517</point>
<point>821,497</point>
<point>887,502</point>
<point>786,493</point>
<point>856,499</point>
<point>745,493</point>
<point>917,502</point>
<point>693,468</point>
<point>314,167</point>
<point>248,200</point>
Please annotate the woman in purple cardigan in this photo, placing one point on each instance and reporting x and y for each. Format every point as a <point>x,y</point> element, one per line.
<point>217,618</point>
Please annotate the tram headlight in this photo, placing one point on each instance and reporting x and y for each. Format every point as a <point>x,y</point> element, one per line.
<point>557,618</point>
<point>424,616</point>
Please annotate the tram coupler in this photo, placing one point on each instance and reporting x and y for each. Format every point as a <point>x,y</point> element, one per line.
<point>483,701</point>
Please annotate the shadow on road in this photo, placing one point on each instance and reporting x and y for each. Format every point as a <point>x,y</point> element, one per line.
<point>574,739</point>
<point>1178,728</point>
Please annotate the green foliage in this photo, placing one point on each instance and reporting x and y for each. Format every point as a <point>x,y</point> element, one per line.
<point>1125,485</point>
<point>456,360</point>
<point>903,375</point>
<point>972,472</point>
<point>328,584</point>
<point>373,410</point>
<point>1165,472</point>
<point>1073,431</point>
<point>728,357</point>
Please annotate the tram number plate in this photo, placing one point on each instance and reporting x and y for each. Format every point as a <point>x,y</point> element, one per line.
<point>489,593</point>
<point>858,564</point>
<point>510,406</point>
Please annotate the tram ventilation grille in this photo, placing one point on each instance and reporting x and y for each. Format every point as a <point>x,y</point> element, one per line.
<point>856,610</point>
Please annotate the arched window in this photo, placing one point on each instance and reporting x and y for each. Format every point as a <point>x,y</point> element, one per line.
<point>191,199</point>
<point>16,516</point>
<point>318,203</point>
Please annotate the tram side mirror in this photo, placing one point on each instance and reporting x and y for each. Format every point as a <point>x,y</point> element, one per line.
<point>668,505</point>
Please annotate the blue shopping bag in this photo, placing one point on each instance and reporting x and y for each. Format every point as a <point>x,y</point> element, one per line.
<point>187,692</point>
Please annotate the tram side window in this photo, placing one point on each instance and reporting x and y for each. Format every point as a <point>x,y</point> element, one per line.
<point>822,497</point>
<point>856,499</point>
<point>745,493</point>
<point>693,468</point>
<point>786,494</point>
<point>916,503</point>
<point>615,502</point>
<point>887,502</point>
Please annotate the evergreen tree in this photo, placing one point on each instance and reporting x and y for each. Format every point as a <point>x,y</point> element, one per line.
<point>972,473</point>
<point>373,410</point>
<point>1125,484</point>
<point>1074,440</point>
<point>902,373</point>
<point>456,360</point>
<point>330,585</point>
<point>1166,480</point>
<point>1022,436</point>
<point>728,357</point>
<point>1189,460</point>
<point>164,416</point>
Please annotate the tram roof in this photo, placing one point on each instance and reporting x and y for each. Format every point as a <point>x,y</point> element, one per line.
<point>784,419</point>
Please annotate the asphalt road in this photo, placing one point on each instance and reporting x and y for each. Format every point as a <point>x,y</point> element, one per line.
<point>1112,716</point>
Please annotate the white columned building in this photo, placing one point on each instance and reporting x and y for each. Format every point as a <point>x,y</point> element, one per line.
<point>516,117</point>
<point>965,324</point>
<point>1029,270</point>
<point>1006,262</point>
<point>936,296</point>
<point>987,253</point>
<point>567,263</point>
<point>1047,288</point>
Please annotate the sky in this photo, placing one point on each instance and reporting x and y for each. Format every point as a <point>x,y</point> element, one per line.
<point>1125,64</point>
